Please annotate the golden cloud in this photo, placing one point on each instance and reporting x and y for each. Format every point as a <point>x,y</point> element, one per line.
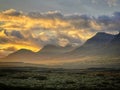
<point>34,30</point>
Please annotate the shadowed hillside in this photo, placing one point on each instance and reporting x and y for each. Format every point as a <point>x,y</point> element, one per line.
<point>101,49</point>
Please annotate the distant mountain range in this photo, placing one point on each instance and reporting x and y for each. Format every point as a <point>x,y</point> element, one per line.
<point>103,48</point>
<point>48,52</point>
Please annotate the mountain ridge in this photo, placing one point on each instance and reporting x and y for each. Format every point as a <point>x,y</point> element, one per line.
<point>99,48</point>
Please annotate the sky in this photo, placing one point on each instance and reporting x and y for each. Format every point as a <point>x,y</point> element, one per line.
<point>32,24</point>
<point>92,7</point>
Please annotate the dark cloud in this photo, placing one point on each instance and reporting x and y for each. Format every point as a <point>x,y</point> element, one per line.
<point>17,34</point>
<point>4,40</point>
<point>104,19</point>
<point>117,14</point>
<point>13,33</point>
<point>79,21</point>
<point>110,23</point>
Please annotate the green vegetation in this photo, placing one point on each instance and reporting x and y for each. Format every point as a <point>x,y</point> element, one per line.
<point>59,79</point>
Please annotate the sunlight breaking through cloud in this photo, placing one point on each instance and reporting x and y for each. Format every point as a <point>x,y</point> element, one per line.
<point>34,30</point>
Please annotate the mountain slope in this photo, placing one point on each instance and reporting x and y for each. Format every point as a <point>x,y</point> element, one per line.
<point>48,52</point>
<point>99,39</point>
<point>116,39</point>
<point>114,45</point>
<point>52,52</point>
<point>102,46</point>
<point>52,49</point>
<point>95,45</point>
<point>20,55</point>
<point>101,49</point>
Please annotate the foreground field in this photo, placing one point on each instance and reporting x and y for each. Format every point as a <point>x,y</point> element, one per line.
<point>59,79</point>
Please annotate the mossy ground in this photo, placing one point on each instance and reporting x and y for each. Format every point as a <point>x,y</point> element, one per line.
<point>60,80</point>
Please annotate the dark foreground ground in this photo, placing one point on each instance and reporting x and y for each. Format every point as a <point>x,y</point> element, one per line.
<point>29,78</point>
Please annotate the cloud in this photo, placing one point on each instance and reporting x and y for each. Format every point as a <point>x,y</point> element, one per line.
<point>109,23</point>
<point>111,2</point>
<point>17,34</point>
<point>12,38</point>
<point>3,38</point>
<point>9,49</point>
<point>63,42</point>
<point>12,12</point>
<point>34,30</point>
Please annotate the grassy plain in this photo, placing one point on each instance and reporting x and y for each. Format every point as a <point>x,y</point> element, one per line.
<point>31,78</point>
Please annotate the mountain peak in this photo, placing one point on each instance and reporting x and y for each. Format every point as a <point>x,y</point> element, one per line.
<point>55,49</point>
<point>100,34</point>
<point>20,55</point>
<point>23,50</point>
<point>99,39</point>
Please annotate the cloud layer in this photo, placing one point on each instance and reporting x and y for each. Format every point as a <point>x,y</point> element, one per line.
<point>92,7</point>
<point>34,30</point>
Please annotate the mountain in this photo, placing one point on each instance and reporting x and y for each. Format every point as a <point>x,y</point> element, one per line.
<point>100,39</point>
<point>22,51</point>
<point>116,39</point>
<point>95,45</point>
<point>101,46</point>
<point>102,49</point>
<point>20,55</point>
<point>53,49</point>
<point>114,46</point>
<point>48,52</point>
<point>53,52</point>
